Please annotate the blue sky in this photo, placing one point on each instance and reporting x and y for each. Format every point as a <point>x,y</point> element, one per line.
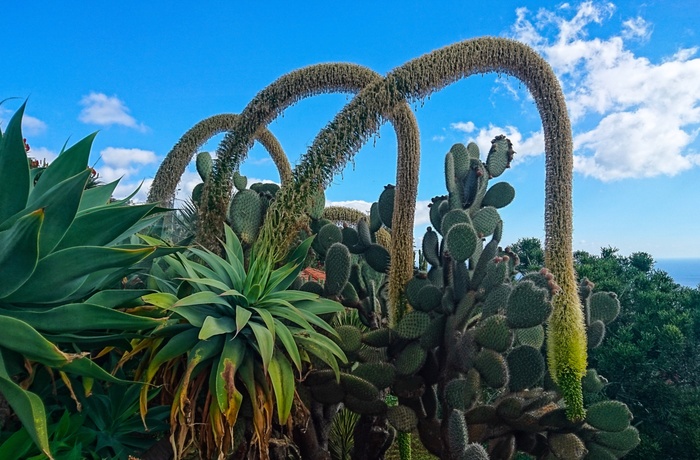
<point>142,73</point>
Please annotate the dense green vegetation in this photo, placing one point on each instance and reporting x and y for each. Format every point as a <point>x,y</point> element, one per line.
<point>651,354</point>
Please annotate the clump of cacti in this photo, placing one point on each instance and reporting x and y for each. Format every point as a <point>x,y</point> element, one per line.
<point>466,362</point>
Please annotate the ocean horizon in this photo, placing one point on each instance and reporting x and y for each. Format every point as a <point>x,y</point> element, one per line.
<point>685,272</point>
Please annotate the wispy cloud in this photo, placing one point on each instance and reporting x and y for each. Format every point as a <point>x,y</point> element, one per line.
<point>100,109</point>
<point>124,157</point>
<point>645,115</point>
<point>464,126</point>
<point>125,164</point>
<point>31,126</point>
<point>525,146</point>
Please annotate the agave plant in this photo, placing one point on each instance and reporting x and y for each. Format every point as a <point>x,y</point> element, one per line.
<point>107,426</point>
<point>58,246</point>
<point>244,331</point>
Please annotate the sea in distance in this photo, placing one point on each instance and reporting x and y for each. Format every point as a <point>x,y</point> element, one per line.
<point>685,272</point>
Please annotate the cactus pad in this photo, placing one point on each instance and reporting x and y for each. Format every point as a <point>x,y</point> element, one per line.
<point>609,416</point>
<point>492,368</point>
<point>337,265</point>
<point>378,337</point>
<point>532,336</point>
<point>461,393</point>
<point>430,247</point>
<point>485,220</point>
<point>328,235</point>
<point>204,165</point>
<point>375,222</point>
<point>239,181</point>
<point>246,215</point>
<point>595,333</point>
<point>592,382</point>
<point>624,440</point>
<point>328,393</point>
<point>493,333</point>
<point>411,359</point>
<point>358,387</point>
<point>457,434</point>
<point>567,446</point>
<point>527,306</point>
<point>413,325</point>
<point>378,258</point>
<point>360,406</point>
<point>526,367</point>
<point>461,241</point>
<point>500,156</point>
<point>433,335</point>
<point>385,205</point>
<point>402,418</point>
<point>452,218</point>
<point>604,306</point>
<point>350,338</point>
<point>499,195</point>
<point>428,298</point>
<point>381,375</point>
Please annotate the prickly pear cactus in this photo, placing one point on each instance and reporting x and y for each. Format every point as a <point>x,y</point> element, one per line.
<point>466,361</point>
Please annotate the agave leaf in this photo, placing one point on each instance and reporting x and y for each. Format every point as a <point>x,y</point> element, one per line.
<point>60,203</point>
<point>97,196</point>
<point>159,299</point>
<point>201,298</point>
<point>14,169</point>
<point>312,346</point>
<point>221,268</point>
<point>86,367</point>
<point>176,346</point>
<point>267,318</point>
<point>28,408</point>
<point>282,378</point>
<point>242,317</point>
<point>195,314</point>
<point>68,164</point>
<point>216,284</point>
<point>112,298</point>
<point>288,342</point>
<point>319,306</point>
<point>228,397</point>
<point>215,326</point>
<point>20,337</point>
<point>315,320</point>
<point>326,344</point>
<point>234,250</point>
<point>203,271</point>
<point>19,252</point>
<point>296,260</point>
<point>265,342</point>
<point>103,225</point>
<point>81,317</point>
<point>73,265</point>
<point>290,314</point>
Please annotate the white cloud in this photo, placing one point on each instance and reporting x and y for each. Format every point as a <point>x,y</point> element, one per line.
<point>524,147</point>
<point>438,138</point>
<point>466,127</point>
<point>360,205</point>
<point>42,153</point>
<point>121,163</point>
<point>645,115</point>
<point>120,157</point>
<point>31,126</point>
<point>104,110</point>
<point>637,28</point>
